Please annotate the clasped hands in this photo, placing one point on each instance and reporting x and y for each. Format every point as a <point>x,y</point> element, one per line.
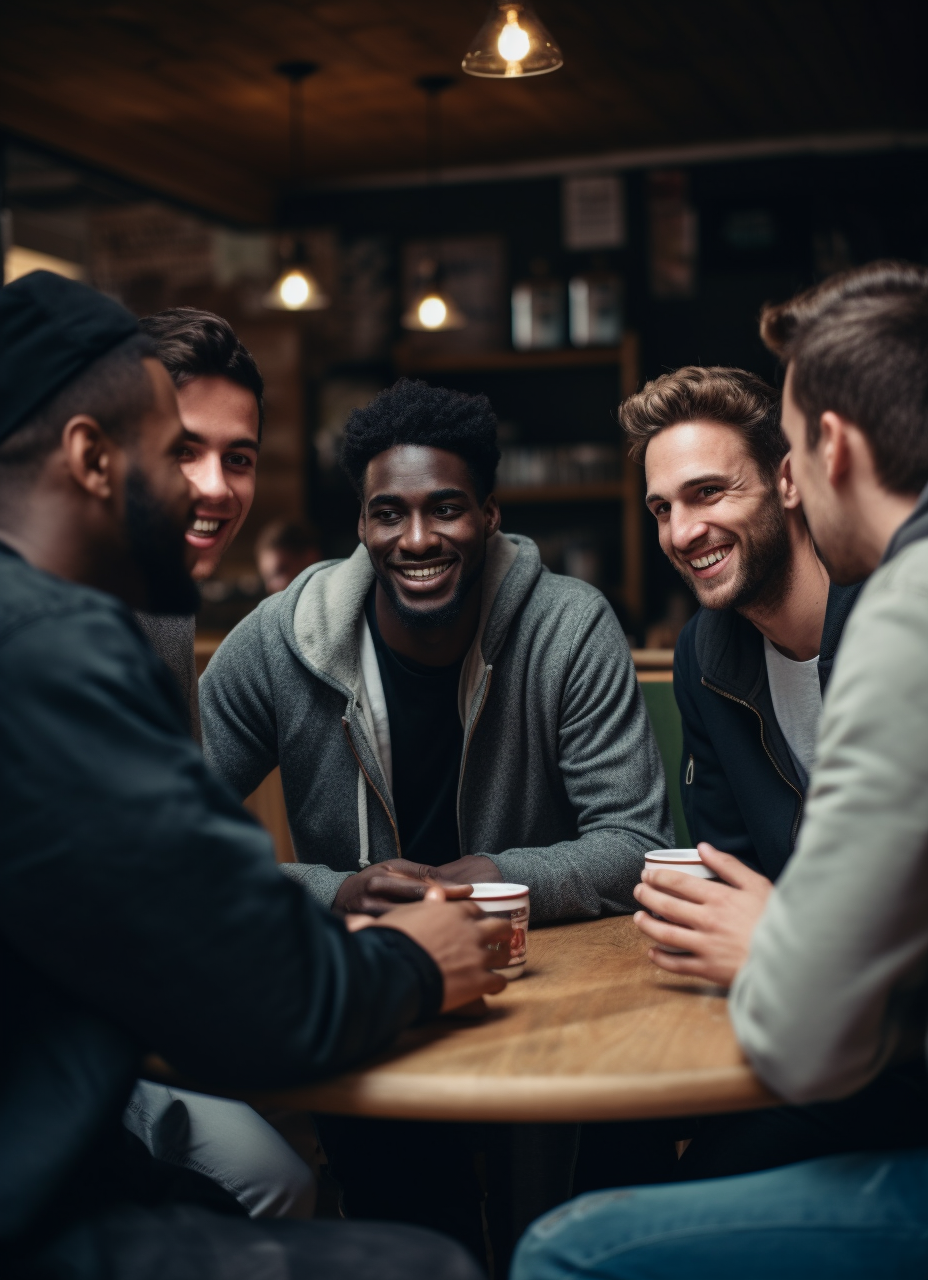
<point>386,885</point>
<point>426,904</point>
<point>712,920</point>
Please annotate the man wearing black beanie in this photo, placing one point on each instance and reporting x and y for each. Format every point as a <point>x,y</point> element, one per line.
<point>140,908</point>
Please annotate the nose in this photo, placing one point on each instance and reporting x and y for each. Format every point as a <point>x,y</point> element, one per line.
<point>685,527</point>
<point>208,478</point>
<point>418,537</point>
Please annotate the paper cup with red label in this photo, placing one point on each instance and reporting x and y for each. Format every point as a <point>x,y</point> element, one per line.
<point>689,862</point>
<point>508,902</point>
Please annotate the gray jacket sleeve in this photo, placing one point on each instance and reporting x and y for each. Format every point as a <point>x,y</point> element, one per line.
<point>240,732</point>
<point>839,961</point>
<point>614,779</point>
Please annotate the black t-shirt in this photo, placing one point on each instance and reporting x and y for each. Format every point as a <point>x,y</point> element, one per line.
<point>426,740</point>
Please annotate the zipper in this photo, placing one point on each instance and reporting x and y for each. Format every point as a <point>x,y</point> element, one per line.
<point>731,697</point>
<point>470,738</point>
<point>386,807</point>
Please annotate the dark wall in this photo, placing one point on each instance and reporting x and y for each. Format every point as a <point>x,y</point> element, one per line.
<point>766,229</point>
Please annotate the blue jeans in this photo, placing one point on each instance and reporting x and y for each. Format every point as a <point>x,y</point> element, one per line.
<point>854,1217</point>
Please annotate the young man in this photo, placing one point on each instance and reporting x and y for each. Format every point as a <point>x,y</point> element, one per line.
<point>442,708</point>
<point>751,667</point>
<point>140,907</point>
<point>835,984</point>
<point>220,394</point>
<point>439,704</point>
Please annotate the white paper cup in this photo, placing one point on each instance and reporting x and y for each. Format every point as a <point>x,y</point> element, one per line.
<point>507,902</point>
<point>689,862</point>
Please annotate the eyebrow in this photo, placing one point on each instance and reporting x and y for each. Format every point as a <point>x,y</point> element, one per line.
<point>437,495</point>
<point>691,484</point>
<point>244,442</point>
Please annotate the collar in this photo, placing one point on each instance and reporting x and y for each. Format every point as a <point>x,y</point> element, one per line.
<point>911,530</point>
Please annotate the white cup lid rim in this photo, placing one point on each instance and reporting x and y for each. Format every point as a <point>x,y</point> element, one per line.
<point>673,855</point>
<point>488,889</point>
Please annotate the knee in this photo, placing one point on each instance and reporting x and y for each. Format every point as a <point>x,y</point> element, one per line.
<point>568,1241</point>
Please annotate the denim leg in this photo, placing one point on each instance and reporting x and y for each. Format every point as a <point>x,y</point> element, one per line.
<point>855,1217</point>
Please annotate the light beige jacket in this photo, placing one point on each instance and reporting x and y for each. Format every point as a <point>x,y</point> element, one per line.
<point>838,969</point>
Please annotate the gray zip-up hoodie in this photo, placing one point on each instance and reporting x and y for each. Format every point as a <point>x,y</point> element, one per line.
<point>561,783</point>
<point>837,978</point>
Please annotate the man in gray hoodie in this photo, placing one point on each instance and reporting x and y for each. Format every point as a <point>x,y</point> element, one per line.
<point>831,970</point>
<point>441,707</point>
<point>439,704</point>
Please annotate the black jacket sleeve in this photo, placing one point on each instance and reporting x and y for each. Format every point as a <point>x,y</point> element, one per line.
<point>709,801</point>
<point>133,879</point>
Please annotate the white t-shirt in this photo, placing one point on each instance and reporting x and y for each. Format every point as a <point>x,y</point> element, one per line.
<point>797,705</point>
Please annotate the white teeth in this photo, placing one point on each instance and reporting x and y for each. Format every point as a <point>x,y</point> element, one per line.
<point>205,526</point>
<point>712,558</point>
<point>424,573</point>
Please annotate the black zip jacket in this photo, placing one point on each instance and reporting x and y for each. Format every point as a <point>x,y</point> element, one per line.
<point>141,911</point>
<point>739,786</point>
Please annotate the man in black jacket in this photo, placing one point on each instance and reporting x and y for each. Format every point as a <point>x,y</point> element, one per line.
<point>141,910</point>
<point>750,670</point>
<point>751,667</point>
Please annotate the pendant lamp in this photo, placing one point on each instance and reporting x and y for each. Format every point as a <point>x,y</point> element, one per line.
<point>512,42</point>
<point>296,288</point>
<point>433,310</point>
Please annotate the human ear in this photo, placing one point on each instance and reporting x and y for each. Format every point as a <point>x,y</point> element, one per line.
<point>362,526</point>
<point>787,485</point>
<point>89,455</point>
<point>834,446</point>
<point>492,515</point>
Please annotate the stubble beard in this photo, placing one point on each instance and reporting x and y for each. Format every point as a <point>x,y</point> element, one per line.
<point>765,568</point>
<point>430,619</point>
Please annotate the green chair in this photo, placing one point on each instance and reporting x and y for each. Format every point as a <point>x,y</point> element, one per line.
<point>668,730</point>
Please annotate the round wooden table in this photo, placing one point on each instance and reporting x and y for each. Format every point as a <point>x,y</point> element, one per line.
<point>592,1031</point>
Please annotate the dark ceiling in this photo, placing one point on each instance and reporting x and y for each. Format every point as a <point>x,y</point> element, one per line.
<point>180,95</point>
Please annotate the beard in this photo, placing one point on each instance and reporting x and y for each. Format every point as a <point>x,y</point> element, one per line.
<point>765,566</point>
<point>157,547</point>
<point>429,619</point>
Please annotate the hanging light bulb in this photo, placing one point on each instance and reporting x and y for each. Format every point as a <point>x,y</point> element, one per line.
<point>512,42</point>
<point>296,289</point>
<point>433,312</point>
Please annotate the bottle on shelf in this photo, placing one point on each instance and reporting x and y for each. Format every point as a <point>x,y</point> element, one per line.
<point>538,311</point>
<point>595,310</point>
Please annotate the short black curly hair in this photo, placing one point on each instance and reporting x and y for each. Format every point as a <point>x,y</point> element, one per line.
<point>412,412</point>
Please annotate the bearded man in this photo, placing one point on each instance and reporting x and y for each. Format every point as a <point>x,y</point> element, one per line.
<point>751,667</point>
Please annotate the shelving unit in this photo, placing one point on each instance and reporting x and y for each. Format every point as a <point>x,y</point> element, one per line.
<point>415,358</point>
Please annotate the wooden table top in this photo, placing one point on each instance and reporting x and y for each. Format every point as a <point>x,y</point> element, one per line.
<point>593,1031</point>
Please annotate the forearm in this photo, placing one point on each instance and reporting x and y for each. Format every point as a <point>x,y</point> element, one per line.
<point>320,882</point>
<point>583,879</point>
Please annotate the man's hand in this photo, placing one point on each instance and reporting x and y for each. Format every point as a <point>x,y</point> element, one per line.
<point>712,920</point>
<point>386,885</point>
<point>463,942</point>
<point>474,868</point>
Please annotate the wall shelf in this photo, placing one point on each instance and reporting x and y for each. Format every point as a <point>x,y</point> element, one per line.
<point>602,491</point>
<point>409,359</point>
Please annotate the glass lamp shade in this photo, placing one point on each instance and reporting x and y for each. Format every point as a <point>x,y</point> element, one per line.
<point>433,312</point>
<point>296,290</point>
<point>512,42</point>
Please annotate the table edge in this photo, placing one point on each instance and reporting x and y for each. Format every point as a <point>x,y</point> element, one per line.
<point>419,1096</point>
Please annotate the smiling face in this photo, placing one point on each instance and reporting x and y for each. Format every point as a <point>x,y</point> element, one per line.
<point>721,523</point>
<point>221,452</point>
<point>425,530</point>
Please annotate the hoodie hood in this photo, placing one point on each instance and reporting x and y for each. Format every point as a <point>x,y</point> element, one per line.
<point>321,611</point>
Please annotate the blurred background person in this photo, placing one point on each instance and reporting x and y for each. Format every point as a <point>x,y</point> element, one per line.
<point>283,549</point>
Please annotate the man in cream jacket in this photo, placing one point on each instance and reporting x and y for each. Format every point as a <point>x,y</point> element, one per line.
<point>830,967</point>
